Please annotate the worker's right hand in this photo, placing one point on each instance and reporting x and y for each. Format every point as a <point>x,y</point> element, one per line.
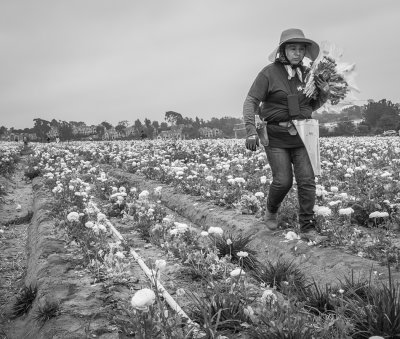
<point>252,142</point>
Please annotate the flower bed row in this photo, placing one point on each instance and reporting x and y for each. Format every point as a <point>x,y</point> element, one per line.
<point>235,297</point>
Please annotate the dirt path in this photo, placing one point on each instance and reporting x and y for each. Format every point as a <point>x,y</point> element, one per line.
<point>15,215</point>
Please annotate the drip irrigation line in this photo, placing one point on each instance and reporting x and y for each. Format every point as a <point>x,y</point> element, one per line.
<point>150,274</point>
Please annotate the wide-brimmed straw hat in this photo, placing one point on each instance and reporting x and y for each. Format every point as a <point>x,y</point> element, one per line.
<point>293,35</point>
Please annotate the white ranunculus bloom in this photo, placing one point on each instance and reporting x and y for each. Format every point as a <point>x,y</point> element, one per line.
<point>291,236</point>
<point>73,216</point>
<point>242,254</point>
<point>346,211</point>
<point>89,224</point>
<point>215,230</point>
<point>101,217</point>
<point>144,195</point>
<point>237,273</point>
<point>160,264</point>
<point>323,211</point>
<point>143,299</point>
<point>269,296</point>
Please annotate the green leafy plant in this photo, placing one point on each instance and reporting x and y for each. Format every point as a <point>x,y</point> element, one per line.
<point>319,300</point>
<point>230,245</point>
<point>24,300</point>
<point>219,311</point>
<point>47,310</point>
<point>282,274</point>
<point>379,314</point>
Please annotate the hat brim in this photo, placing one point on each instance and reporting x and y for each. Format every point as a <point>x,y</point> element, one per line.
<point>312,48</point>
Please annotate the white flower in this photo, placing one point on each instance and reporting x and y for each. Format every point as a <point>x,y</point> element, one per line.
<point>346,211</point>
<point>173,231</point>
<point>160,264</point>
<point>19,207</point>
<point>73,216</point>
<point>240,180</point>
<point>378,214</point>
<point>291,236</point>
<point>248,311</point>
<point>269,296</point>
<point>181,227</point>
<point>89,224</point>
<point>323,211</point>
<point>237,273</point>
<point>204,234</point>
<point>143,299</point>
<point>341,291</point>
<point>157,190</point>
<point>120,255</point>
<point>215,230</point>
<point>180,292</point>
<point>101,217</point>
<point>259,195</point>
<point>242,254</point>
<point>102,228</point>
<point>334,189</point>
<point>209,178</point>
<point>144,195</point>
<point>229,242</point>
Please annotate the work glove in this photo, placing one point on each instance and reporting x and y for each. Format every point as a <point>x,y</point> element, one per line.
<point>321,84</point>
<point>252,142</point>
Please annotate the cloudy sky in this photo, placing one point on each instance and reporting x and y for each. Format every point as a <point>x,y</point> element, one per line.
<point>97,60</point>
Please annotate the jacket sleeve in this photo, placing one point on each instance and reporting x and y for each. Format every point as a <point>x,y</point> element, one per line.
<point>319,101</point>
<point>250,109</point>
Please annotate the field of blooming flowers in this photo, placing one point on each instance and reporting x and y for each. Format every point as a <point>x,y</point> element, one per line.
<point>237,296</point>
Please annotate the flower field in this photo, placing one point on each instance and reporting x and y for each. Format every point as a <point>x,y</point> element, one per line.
<point>221,286</point>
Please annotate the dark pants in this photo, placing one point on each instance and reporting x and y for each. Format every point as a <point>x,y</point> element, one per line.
<point>281,160</point>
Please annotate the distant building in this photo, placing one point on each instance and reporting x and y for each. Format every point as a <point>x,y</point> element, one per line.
<point>130,131</point>
<point>207,132</point>
<point>84,130</point>
<point>111,134</point>
<point>176,132</point>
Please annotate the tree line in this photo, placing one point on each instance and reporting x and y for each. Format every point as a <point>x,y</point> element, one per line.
<point>376,117</point>
<point>149,129</point>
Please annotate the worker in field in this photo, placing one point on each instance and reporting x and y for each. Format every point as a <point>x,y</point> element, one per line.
<point>277,96</point>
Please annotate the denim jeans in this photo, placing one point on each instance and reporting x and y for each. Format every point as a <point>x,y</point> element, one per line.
<point>281,160</point>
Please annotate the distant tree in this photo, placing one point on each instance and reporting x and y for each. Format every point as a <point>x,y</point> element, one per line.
<point>163,126</point>
<point>65,130</point>
<point>382,114</point>
<point>352,112</point>
<point>3,130</point>
<point>100,130</point>
<point>345,128</point>
<point>41,128</point>
<point>173,118</point>
<point>120,128</point>
<point>362,129</point>
<point>138,126</point>
<point>156,127</point>
<point>323,131</point>
<point>107,125</point>
<point>149,128</point>
<point>124,123</point>
<point>54,123</point>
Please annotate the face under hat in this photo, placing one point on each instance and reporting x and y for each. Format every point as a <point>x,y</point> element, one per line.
<point>295,35</point>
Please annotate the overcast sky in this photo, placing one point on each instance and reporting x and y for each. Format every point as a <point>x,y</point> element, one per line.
<point>96,60</point>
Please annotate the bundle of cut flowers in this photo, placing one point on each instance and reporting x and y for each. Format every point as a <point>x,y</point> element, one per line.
<point>338,75</point>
